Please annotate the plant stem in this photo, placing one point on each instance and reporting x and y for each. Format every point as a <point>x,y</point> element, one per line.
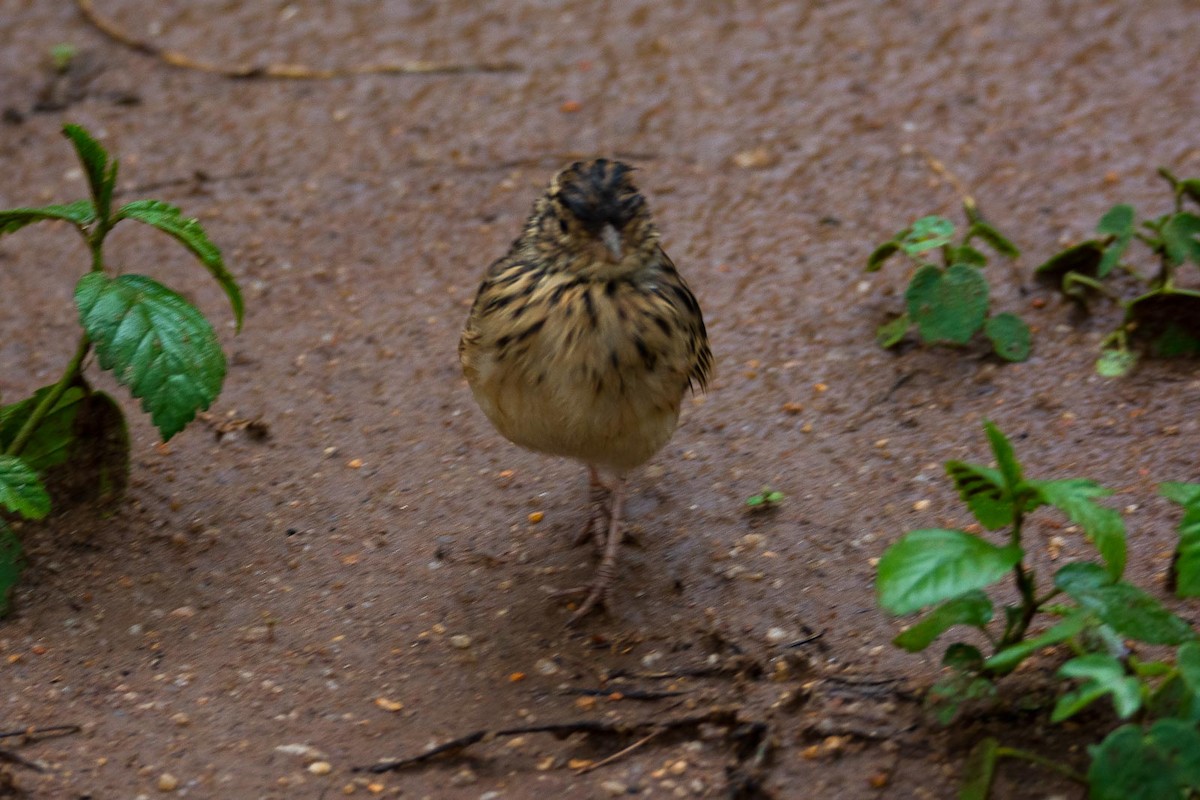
<point>1025,755</point>
<point>52,397</point>
<point>1025,585</point>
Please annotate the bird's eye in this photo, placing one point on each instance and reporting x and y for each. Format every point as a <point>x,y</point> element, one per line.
<point>562,224</point>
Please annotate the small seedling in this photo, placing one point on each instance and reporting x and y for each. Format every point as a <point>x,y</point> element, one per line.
<point>765,500</point>
<point>1090,610</point>
<point>1162,322</point>
<point>949,302</point>
<point>151,339</point>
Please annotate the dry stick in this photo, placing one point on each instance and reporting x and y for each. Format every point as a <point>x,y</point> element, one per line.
<point>8,756</point>
<point>292,71</point>
<point>42,733</point>
<point>620,753</point>
<point>716,715</point>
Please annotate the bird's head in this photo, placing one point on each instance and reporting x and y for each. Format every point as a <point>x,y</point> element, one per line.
<point>597,215</point>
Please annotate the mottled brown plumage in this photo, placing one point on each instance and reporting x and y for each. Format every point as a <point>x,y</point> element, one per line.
<point>584,338</point>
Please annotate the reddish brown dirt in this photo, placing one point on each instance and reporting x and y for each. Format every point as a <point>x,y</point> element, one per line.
<point>248,596</point>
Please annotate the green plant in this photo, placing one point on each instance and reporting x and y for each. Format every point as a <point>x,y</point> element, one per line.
<point>1163,321</point>
<point>765,500</point>
<point>949,303</point>
<point>1087,608</point>
<point>150,338</point>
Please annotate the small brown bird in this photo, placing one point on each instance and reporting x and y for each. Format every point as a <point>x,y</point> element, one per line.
<point>583,339</point>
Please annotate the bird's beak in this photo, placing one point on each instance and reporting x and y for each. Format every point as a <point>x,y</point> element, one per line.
<point>612,240</point>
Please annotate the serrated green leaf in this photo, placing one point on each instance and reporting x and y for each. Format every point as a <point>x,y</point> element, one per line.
<point>1103,526</point>
<point>21,490</point>
<point>949,305</point>
<point>973,608</point>
<point>1102,675</point>
<point>1007,659</point>
<point>927,233</point>
<point>170,220</point>
<point>155,343</point>
<point>12,562</point>
<point>889,334</point>
<point>1179,237</point>
<point>982,489</point>
<point>881,254</point>
<point>1006,459</point>
<point>926,567</point>
<point>79,213</point>
<point>1122,606</point>
<point>1010,336</point>
<point>996,240</point>
<point>1162,763</point>
<point>1115,363</point>
<point>50,442</point>
<point>102,176</point>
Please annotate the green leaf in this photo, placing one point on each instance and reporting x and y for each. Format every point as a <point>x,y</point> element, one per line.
<point>96,469</point>
<point>51,440</point>
<point>889,334</point>
<point>950,305</point>
<point>982,489</point>
<point>1191,188</point>
<point>1188,662</point>
<point>926,567</point>
<point>1006,459</point>
<point>1167,320</point>
<point>993,237</point>
<point>12,562</point>
<point>102,177</point>
<point>965,254</point>
<point>973,608</point>
<point>154,342</point>
<point>1007,659</point>
<point>1122,606</point>
<point>979,771</point>
<point>1010,336</point>
<point>1179,237</point>
<point>881,254</point>
<point>1083,258</point>
<point>1118,223</point>
<point>1115,363</point>
<point>170,220</point>
<point>1162,763</point>
<point>1102,674</point>
<point>79,213</point>
<point>21,490</point>
<point>927,233</point>
<point>1102,526</point>
<point>1186,564</point>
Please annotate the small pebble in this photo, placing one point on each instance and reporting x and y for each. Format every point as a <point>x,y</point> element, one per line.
<point>320,768</point>
<point>776,635</point>
<point>460,641</point>
<point>614,788</point>
<point>167,782</point>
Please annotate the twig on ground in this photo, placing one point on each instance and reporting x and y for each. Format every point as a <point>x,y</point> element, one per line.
<point>620,753</point>
<point>288,71</point>
<point>724,715</point>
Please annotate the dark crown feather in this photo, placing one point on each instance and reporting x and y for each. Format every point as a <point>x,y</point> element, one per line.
<point>600,193</point>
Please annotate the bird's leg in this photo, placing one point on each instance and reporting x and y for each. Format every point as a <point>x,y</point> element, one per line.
<point>599,513</point>
<point>607,571</point>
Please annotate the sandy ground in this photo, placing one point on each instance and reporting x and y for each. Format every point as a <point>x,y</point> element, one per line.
<point>368,582</point>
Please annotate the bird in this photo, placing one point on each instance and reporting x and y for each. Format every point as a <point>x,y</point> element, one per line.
<point>583,340</point>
